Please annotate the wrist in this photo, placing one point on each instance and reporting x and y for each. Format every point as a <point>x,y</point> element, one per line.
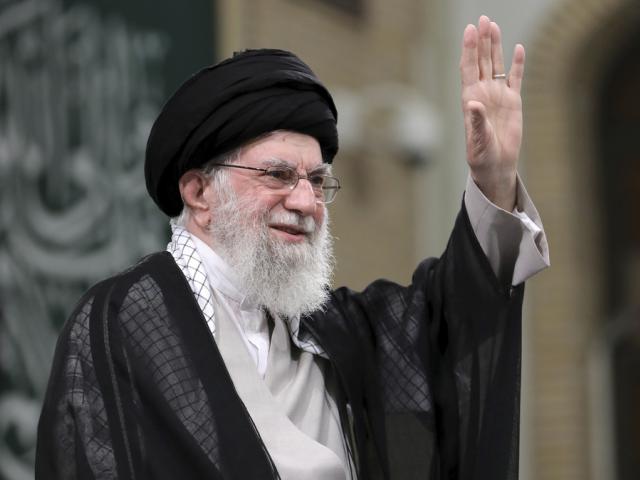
<point>499,189</point>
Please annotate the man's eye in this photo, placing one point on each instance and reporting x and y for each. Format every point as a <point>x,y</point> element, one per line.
<point>281,174</point>
<point>316,180</point>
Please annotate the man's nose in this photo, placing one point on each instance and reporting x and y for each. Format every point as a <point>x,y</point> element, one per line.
<point>302,198</point>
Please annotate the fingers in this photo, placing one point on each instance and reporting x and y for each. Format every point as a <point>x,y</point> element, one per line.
<point>469,59</point>
<point>484,47</point>
<point>482,55</point>
<point>497,58</point>
<point>517,68</point>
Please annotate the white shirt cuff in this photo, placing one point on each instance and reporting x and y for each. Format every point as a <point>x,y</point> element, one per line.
<point>514,242</point>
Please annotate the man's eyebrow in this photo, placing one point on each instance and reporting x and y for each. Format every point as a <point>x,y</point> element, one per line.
<point>275,162</point>
<point>322,169</point>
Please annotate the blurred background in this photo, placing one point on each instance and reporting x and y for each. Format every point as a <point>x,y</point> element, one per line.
<point>81,82</point>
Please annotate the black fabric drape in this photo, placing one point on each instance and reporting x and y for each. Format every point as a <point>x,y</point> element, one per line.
<point>433,369</point>
<point>429,377</point>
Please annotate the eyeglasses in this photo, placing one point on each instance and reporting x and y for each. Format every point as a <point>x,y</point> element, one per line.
<point>325,187</point>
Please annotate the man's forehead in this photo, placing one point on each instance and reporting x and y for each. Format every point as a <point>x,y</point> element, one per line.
<point>284,147</point>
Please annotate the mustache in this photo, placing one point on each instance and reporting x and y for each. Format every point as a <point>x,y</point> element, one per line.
<point>291,219</point>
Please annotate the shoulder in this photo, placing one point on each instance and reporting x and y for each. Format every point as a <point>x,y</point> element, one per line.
<point>132,285</point>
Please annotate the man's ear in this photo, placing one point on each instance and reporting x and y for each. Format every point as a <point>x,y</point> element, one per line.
<point>194,186</point>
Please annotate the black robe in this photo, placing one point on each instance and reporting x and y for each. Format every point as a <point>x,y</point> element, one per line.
<point>428,375</point>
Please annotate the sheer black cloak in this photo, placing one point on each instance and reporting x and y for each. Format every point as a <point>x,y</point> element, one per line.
<point>429,377</point>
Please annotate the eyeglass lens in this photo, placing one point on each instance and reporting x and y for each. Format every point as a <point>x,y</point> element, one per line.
<point>324,186</point>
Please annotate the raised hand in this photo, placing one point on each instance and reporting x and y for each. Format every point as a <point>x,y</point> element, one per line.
<point>492,110</point>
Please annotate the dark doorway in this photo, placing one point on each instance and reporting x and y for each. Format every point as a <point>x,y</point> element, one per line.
<point>619,169</point>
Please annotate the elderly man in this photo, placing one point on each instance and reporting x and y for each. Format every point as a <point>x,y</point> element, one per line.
<point>228,356</point>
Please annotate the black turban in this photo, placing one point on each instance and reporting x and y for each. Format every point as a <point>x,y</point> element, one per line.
<point>224,106</point>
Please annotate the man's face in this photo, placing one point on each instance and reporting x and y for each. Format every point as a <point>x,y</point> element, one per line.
<point>276,240</point>
<point>299,151</point>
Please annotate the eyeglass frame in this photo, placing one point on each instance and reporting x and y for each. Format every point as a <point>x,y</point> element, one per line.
<point>291,186</point>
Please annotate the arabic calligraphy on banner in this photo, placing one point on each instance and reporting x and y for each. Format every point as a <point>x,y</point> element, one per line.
<point>78,95</point>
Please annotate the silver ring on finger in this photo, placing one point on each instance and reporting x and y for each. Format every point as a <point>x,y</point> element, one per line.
<point>499,76</point>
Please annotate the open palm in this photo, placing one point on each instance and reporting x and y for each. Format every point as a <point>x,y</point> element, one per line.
<point>492,110</point>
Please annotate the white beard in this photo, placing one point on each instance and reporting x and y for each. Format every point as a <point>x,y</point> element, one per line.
<point>285,278</point>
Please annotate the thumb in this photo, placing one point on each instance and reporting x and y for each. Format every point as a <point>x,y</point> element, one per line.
<point>478,130</point>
